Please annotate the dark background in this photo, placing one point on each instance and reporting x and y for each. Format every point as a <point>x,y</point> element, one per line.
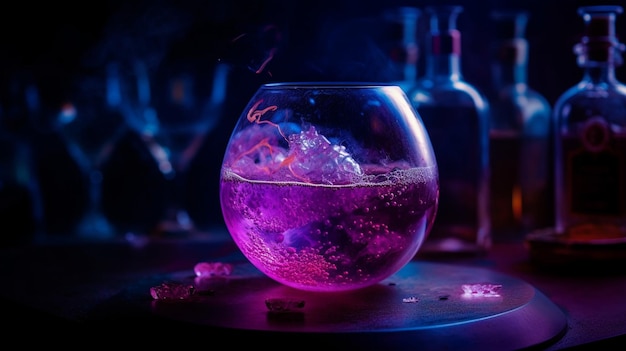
<point>318,39</point>
<point>54,42</point>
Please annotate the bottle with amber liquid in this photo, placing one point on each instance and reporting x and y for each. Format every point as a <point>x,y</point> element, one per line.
<point>519,136</point>
<point>456,116</point>
<point>590,138</point>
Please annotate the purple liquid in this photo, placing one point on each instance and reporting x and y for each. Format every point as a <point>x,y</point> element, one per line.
<point>331,237</point>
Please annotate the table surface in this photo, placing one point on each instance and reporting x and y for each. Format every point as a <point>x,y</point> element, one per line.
<point>102,288</point>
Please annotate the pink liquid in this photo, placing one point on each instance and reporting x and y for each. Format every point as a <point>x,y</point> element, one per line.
<point>331,237</point>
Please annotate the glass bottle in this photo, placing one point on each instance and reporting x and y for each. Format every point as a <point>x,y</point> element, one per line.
<point>590,136</point>
<point>456,116</point>
<point>519,136</point>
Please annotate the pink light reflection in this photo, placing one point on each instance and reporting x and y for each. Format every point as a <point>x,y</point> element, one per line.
<point>481,290</point>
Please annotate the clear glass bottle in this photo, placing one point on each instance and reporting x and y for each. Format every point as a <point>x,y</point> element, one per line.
<point>590,136</point>
<point>519,136</point>
<point>456,116</point>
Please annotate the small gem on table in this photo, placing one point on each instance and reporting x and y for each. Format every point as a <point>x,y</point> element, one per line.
<point>172,291</point>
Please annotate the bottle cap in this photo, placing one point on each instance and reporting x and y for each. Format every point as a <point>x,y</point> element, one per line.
<point>445,38</point>
<point>600,22</point>
<point>599,42</point>
<point>402,33</point>
<point>510,28</point>
<point>510,24</point>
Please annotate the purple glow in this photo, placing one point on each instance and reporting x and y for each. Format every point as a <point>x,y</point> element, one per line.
<point>210,269</point>
<point>357,227</point>
<point>329,238</point>
<point>481,290</point>
<point>318,206</point>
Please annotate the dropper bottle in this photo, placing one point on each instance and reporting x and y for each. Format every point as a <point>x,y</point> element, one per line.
<point>590,137</point>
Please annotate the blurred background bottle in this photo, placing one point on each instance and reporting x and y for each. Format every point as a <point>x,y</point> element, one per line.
<point>590,136</point>
<point>519,135</point>
<point>456,116</point>
<point>20,199</point>
<point>403,49</point>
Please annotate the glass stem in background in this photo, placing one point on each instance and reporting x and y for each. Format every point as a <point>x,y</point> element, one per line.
<point>94,223</point>
<point>175,221</point>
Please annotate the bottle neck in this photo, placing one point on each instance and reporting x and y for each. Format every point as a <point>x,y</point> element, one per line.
<point>448,66</point>
<point>508,74</point>
<point>599,61</point>
<point>511,63</point>
<point>599,72</point>
<point>445,55</point>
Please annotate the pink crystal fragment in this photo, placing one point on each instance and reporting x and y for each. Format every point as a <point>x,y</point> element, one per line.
<point>481,289</point>
<point>172,291</point>
<point>210,269</point>
<point>283,304</point>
